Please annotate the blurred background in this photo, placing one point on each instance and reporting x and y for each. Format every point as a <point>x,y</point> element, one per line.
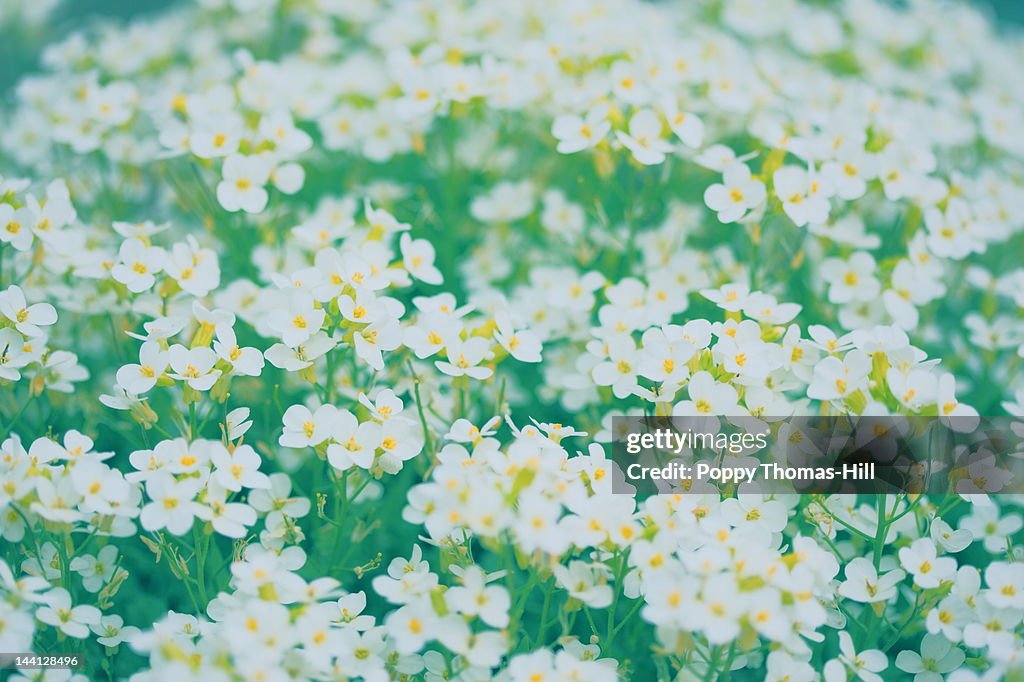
<point>20,41</point>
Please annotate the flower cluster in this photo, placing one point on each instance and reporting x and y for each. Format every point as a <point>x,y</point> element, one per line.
<point>348,295</point>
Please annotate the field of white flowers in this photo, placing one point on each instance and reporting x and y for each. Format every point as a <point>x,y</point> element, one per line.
<point>314,315</point>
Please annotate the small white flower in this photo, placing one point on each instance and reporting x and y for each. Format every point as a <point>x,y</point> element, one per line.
<point>96,571</point>
<point>586,582</point>
<point>172,504</point>
<point>464,358</point>
<point>141,377</point>
<point>523,345</point>
<point>835,379</point>
<point>804,194</point>
<point>863,583</point>
<point>418,258</point>
<point>138,265</point>
<point>852,279</point>
<point>27,319</point>
<point>194,366</point>
<point>303,428</point>
<point>238,468</point>
<point>354,443</point>
<point>1005,583</point>
<point>243,185</point>
<point>16,226</point>
<point>928,569</point>
<point>644,138</point>
<point>938,657</point>
<point>72,621</point>
<point>575,134</point>
<point>864,665</point>
<point>299,321</point>
<point>737,194</point>
<point>474,598</point>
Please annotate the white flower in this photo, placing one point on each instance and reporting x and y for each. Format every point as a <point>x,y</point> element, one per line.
<point>354,443</point>
<point>302,356</point>
<point>850,173</point>
<point>474,598</point>
<point>576,134</point>
<point>244,361</point>
<point>16,226</point>
<point>243,185</point>
<point>993,526</point>
<point>852,279</point>
<point>138,265</point>
<point>620,369</point>
<point>644,138</point>
<point>948,539</point>
<point>804,194</point>
<point>278,127</point>
<point>230,519</point>
<point>277,500</point>
<point>864,665</point>
<point>586,582</point>
<point>505,203</point>
<point>237,423</point>
<point>687,127</point>
<point>96,571</point>
<point>430,334</point>
<point>370,341</point>
<point>139,378</point>
<point>952,413</point>
<point>835,379</point>
<point>72,621</point>
<point>111,631</point>
<point>194,366</point>
<point>299,321</point>
<point>215,136</point>
<point>103,489</point>
<point>418,258</point>
<point>523,345</point>
<point>27,319</point>
<point>707,398</point>
<point>938,657</point>
<point>194,269</point>
<point>384,405</point>
<point>238,468</point>
<point>401,439</point>
<point>411,626</point>
<point>303,428</point>
<point>984,475</point>
<point>350,608</point>
<point>1005,583</point>
<point>721,606</point>
<point>172,504</point>
<point>736,195</point>
<point>863,583</point>
<point>731,297</point>
<point>913,389</point>
<point>464,358</point>
<point>921,561</point>
<point>160,329</point>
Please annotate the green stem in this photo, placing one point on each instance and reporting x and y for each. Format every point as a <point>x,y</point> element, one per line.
<point>716,653</point>
<point>544,613</point>
<point>202,544</point>
<point>590,619</point>
<point>428,440</point>
<point>629,615</point>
